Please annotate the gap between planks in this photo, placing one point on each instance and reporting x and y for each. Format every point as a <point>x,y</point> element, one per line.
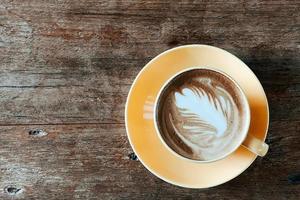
<point>63,124</point>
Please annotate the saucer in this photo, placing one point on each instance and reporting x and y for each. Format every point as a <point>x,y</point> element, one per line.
<point>139,116</point>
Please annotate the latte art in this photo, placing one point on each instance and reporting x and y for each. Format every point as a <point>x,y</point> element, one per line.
<point>200,115</point>
<point>202,119</point>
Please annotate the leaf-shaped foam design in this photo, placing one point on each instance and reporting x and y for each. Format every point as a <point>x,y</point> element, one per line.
<point>202,112</point>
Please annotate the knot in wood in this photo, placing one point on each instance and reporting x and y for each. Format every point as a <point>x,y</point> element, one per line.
<point>12,190</point>
<point>294,179</point>
<point>37,132</point>
<point>132,156</point>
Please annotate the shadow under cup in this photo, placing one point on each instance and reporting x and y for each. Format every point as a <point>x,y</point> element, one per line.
<point>202,114</point>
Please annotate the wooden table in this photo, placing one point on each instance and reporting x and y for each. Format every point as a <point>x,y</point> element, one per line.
<point>67,66</point>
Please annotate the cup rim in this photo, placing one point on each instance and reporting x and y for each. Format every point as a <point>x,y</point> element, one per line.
<point>247,108</point>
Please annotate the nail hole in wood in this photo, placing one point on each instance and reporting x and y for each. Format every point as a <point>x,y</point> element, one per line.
<point>12,190</point>
<point>132,156</point>
<point>294,179</point>
<point>37,132</point>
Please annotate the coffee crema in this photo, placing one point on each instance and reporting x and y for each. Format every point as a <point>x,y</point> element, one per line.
<point>200,114</point>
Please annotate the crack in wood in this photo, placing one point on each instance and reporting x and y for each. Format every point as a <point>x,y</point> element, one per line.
<point>63,124</point>
<point>38,86</point>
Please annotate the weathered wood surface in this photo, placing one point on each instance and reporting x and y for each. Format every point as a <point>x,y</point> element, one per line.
<point>67,66</point>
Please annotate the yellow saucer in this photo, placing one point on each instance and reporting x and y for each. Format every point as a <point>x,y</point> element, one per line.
<point>140,120</point>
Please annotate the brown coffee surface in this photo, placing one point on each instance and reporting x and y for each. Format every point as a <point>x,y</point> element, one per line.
<point>201,114</point>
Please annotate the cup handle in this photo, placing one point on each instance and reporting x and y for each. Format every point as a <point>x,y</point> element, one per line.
<point>255,145</point>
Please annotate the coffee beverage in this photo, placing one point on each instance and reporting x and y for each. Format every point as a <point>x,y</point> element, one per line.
<point>201,114</point>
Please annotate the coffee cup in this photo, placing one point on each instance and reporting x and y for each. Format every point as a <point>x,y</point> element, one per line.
<point>202,114</point>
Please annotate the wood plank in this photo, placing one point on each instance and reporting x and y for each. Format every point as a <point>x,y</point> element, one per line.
<point>74,92</point>
<point>33,33</point>
<point>91,162</point>
<point>76,61</point>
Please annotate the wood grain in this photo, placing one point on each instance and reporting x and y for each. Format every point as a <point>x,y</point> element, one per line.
<point>67,66</point>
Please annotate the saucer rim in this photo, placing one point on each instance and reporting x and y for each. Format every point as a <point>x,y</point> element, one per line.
<point>126,117</point>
